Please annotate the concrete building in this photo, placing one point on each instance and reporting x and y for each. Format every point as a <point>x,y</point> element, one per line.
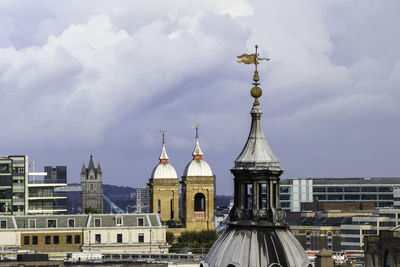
<point>101,233</point>
<point>164,189</point>
<point>92,186</point>
<point>380,191</point>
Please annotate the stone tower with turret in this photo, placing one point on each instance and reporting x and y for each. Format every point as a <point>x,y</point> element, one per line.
<point>198,184</point>
<point>92,186</point>
<point>164,188</point>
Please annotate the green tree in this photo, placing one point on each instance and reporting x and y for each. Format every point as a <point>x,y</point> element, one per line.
<point>88,210</point>
<point>170,237</point>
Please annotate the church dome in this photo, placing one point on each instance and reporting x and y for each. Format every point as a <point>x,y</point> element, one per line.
<point>243,246</point>
<point>197,167</point>
<point>164,170</point>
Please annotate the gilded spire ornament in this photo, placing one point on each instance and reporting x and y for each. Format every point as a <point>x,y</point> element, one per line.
<point>256,91</point>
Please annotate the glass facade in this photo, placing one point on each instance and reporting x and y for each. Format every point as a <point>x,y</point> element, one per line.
<point>380,191</point>
<point>6,185</point>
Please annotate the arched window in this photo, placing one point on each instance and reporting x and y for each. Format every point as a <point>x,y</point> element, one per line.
<point>199,202</point>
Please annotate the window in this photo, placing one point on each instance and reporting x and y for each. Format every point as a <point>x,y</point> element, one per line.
<point>32,223</point>
<point>77,239</point>
<point>140,222</point>
<point>47,239</point>
<point>119,238</point>
<point>249,198</point>
<point>159,206</point>
<point>34,240</point>
<point>118,221</point>
<point>56,240</point>
<point>3,224</point>
<point>71,222</point>
<point>26,240</point>
<point>141,238</point>
<point>69,239</point>
<point>97,222</point>
<point>263,196</point>
<point>51,223</point>
<point>97,238</point>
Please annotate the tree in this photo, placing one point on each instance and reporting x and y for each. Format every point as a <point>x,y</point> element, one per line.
<point>170,237</point>
<point>92,210</point>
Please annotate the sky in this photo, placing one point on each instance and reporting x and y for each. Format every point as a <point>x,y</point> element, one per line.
<point>106,76</point>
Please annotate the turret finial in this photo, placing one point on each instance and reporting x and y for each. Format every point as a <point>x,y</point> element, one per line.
<point>256,91</point>
<point>197,153</point>
<point>163,156</point>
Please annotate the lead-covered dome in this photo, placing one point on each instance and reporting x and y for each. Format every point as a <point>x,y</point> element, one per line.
<point>164,170</point>
<point>197,167</point>
<point>245,246</point>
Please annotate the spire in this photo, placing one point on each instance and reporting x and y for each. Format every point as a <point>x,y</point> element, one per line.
<point>98,167</point>
<point>163,155</point>
<point>197,153</point>
<point>83,167</point>
<point>91,163</point>
<point>256,153</point>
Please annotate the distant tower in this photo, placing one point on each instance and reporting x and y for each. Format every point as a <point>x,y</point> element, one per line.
<point>198,192</point>
<point>92,186</point>
<point>257,234</point>
<point>164,188</point>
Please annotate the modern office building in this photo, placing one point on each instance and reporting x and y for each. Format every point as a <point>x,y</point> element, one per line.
<point>142,200</point>
<point>380,191</point>
<point>57,174</point>
<point>6,186</point>
<point>21,192</point>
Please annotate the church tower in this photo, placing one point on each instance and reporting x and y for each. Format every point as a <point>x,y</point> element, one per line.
<point>164,188</point>
<point>92,186</point>
<point>257,234</point>
<point>198,192</point>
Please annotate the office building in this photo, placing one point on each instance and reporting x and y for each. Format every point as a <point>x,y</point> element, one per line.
<point>142,200</point>
<point>380,191</point>
<point>22,192</point>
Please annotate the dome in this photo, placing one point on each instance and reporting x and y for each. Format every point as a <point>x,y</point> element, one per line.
<point>266,246</point>
<point>197,168</point>
<point>164,171</point>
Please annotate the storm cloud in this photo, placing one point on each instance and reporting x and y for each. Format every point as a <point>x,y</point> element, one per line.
<point>106,76</point>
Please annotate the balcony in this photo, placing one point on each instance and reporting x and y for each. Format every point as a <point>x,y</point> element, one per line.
<point>45,209</point>
<point>46,183</point>
<point>46,196</point>
<point>199,214</point>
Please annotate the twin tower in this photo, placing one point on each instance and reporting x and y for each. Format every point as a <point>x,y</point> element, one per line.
<point>197,191</point>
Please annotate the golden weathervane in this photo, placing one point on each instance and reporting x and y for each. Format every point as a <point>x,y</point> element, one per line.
<point>256,91</point>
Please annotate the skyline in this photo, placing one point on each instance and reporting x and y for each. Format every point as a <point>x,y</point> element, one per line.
<point>106,77</point>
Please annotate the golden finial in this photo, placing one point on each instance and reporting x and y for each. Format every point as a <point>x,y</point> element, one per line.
<point>256,91</point>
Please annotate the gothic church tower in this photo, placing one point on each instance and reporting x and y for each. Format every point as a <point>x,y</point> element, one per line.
<point>92,186</point>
